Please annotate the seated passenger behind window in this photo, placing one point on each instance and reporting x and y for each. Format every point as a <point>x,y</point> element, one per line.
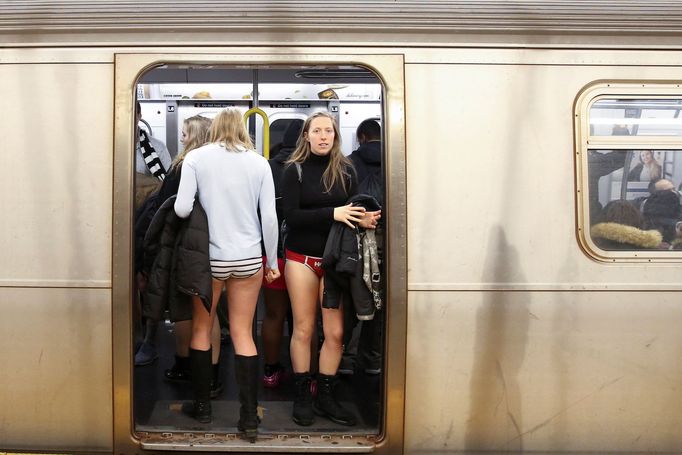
<point>647,168</point>
<point>620,228</point>
<point>660,185</point>
<point>661,211</point>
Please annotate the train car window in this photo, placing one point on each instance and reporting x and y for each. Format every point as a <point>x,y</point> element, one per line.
<point>163,387</point>
<point>631,149</point>
<point>638,117</point>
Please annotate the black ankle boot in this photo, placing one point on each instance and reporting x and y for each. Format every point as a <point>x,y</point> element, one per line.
<point>246,370</point>
<point>303,401</point>
<point>179,371</point>
<point>200,365</point>
<point>216,385</point>
<point>326,405</point>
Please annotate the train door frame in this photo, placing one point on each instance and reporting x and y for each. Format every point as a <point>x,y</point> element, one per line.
<point>390,70</point>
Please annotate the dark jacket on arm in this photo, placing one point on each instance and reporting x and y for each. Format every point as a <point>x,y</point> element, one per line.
<point>177,262</point>
<point>343,265</point>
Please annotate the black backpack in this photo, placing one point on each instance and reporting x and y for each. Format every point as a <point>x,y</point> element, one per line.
<point>373,185</point>
<point>283,229</point>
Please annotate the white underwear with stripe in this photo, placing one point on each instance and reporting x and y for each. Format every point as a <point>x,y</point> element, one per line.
<point>243,268</point>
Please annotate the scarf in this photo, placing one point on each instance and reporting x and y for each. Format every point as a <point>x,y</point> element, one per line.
<point>151,158</point>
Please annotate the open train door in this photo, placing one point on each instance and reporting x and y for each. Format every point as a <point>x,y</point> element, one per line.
<point>387,435</point>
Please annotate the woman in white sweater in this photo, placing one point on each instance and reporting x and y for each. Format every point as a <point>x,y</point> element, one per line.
<point>232,183</point>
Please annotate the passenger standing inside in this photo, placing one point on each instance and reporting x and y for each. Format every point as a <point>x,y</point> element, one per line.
<point>232,183</point>
<point>316,185</point>
<point>152,161</point>
<point>367,162</point>
<point>275,294</point>
<point>194,134</point>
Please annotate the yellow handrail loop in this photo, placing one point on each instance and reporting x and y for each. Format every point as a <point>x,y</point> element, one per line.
<point>266,128</point>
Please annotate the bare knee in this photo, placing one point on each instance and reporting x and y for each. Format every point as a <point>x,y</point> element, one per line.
<point>241,334</point>
<point>303,334</point>
<point>201,336</point>
<point>275,311</point>
<point>333,336</point>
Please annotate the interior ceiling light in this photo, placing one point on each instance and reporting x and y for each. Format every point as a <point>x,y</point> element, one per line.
<point>355,73</point>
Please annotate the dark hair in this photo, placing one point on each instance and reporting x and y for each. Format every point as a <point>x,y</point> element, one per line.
<point>292,133</point>
<point>138,108</point>
<point>370,129</point>
<point>289,139</point>
<point>622,212</point>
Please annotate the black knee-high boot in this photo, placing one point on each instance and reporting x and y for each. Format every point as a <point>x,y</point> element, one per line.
<point>200,365</point>
<point>326,405</point>
<point>246,370</point>
<point>216,385</point>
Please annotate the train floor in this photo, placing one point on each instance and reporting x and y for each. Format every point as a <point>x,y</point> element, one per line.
<point>158,402</point>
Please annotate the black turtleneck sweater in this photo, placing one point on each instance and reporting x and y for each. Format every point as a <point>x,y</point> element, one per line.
<point>308,209</point>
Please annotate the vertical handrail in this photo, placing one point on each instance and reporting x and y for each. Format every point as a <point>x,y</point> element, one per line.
<point>266,128</point>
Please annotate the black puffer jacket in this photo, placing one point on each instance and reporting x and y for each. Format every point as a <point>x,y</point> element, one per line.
<point>177,262</point>
<point>144,215</point>
<point>343,266</point>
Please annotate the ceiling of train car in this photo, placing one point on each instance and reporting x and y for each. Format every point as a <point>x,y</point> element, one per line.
<point>219,73</point>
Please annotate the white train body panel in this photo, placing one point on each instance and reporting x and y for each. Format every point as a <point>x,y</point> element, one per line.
<point>515,340</point>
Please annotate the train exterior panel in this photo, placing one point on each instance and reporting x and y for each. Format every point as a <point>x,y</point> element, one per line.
<point>504,333</point>
<point>537,346</point>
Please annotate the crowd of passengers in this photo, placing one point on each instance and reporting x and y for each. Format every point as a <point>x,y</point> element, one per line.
<point>216,226</point>
<point>652,222</point>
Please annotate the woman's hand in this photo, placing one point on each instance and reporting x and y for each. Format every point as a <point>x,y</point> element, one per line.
<point>370,220</point>
<point>271,274</point>
<point>349,214</point>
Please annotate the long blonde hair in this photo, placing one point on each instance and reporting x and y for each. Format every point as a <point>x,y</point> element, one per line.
<point>228,129</point>
<point>197,135</point>
<point>339,167</point>
<point>654,167</point>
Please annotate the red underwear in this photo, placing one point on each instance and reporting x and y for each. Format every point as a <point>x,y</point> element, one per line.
<point>279,284</point>
<point>312,262</point>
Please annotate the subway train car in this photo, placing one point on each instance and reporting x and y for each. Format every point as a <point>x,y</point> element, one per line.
<point>532,158</point>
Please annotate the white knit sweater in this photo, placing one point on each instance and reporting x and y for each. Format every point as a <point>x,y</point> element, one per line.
<point>231,185</point>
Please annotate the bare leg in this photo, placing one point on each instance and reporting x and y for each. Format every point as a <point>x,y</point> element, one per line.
<point>202,320</point>
<point>332,348</point>
<point>215,340</point>
<point>276,306</point>
<point>242,297</point>
<point>303,286</point>
<point>183,335</point>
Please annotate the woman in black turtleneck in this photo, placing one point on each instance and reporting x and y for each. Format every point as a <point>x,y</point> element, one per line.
<point>315,187</point>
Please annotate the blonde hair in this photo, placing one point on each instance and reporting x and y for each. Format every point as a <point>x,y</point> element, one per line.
<point>339,167</point>
<point>653,166</point>
<point>228,128</point>
<point>197,135</point>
